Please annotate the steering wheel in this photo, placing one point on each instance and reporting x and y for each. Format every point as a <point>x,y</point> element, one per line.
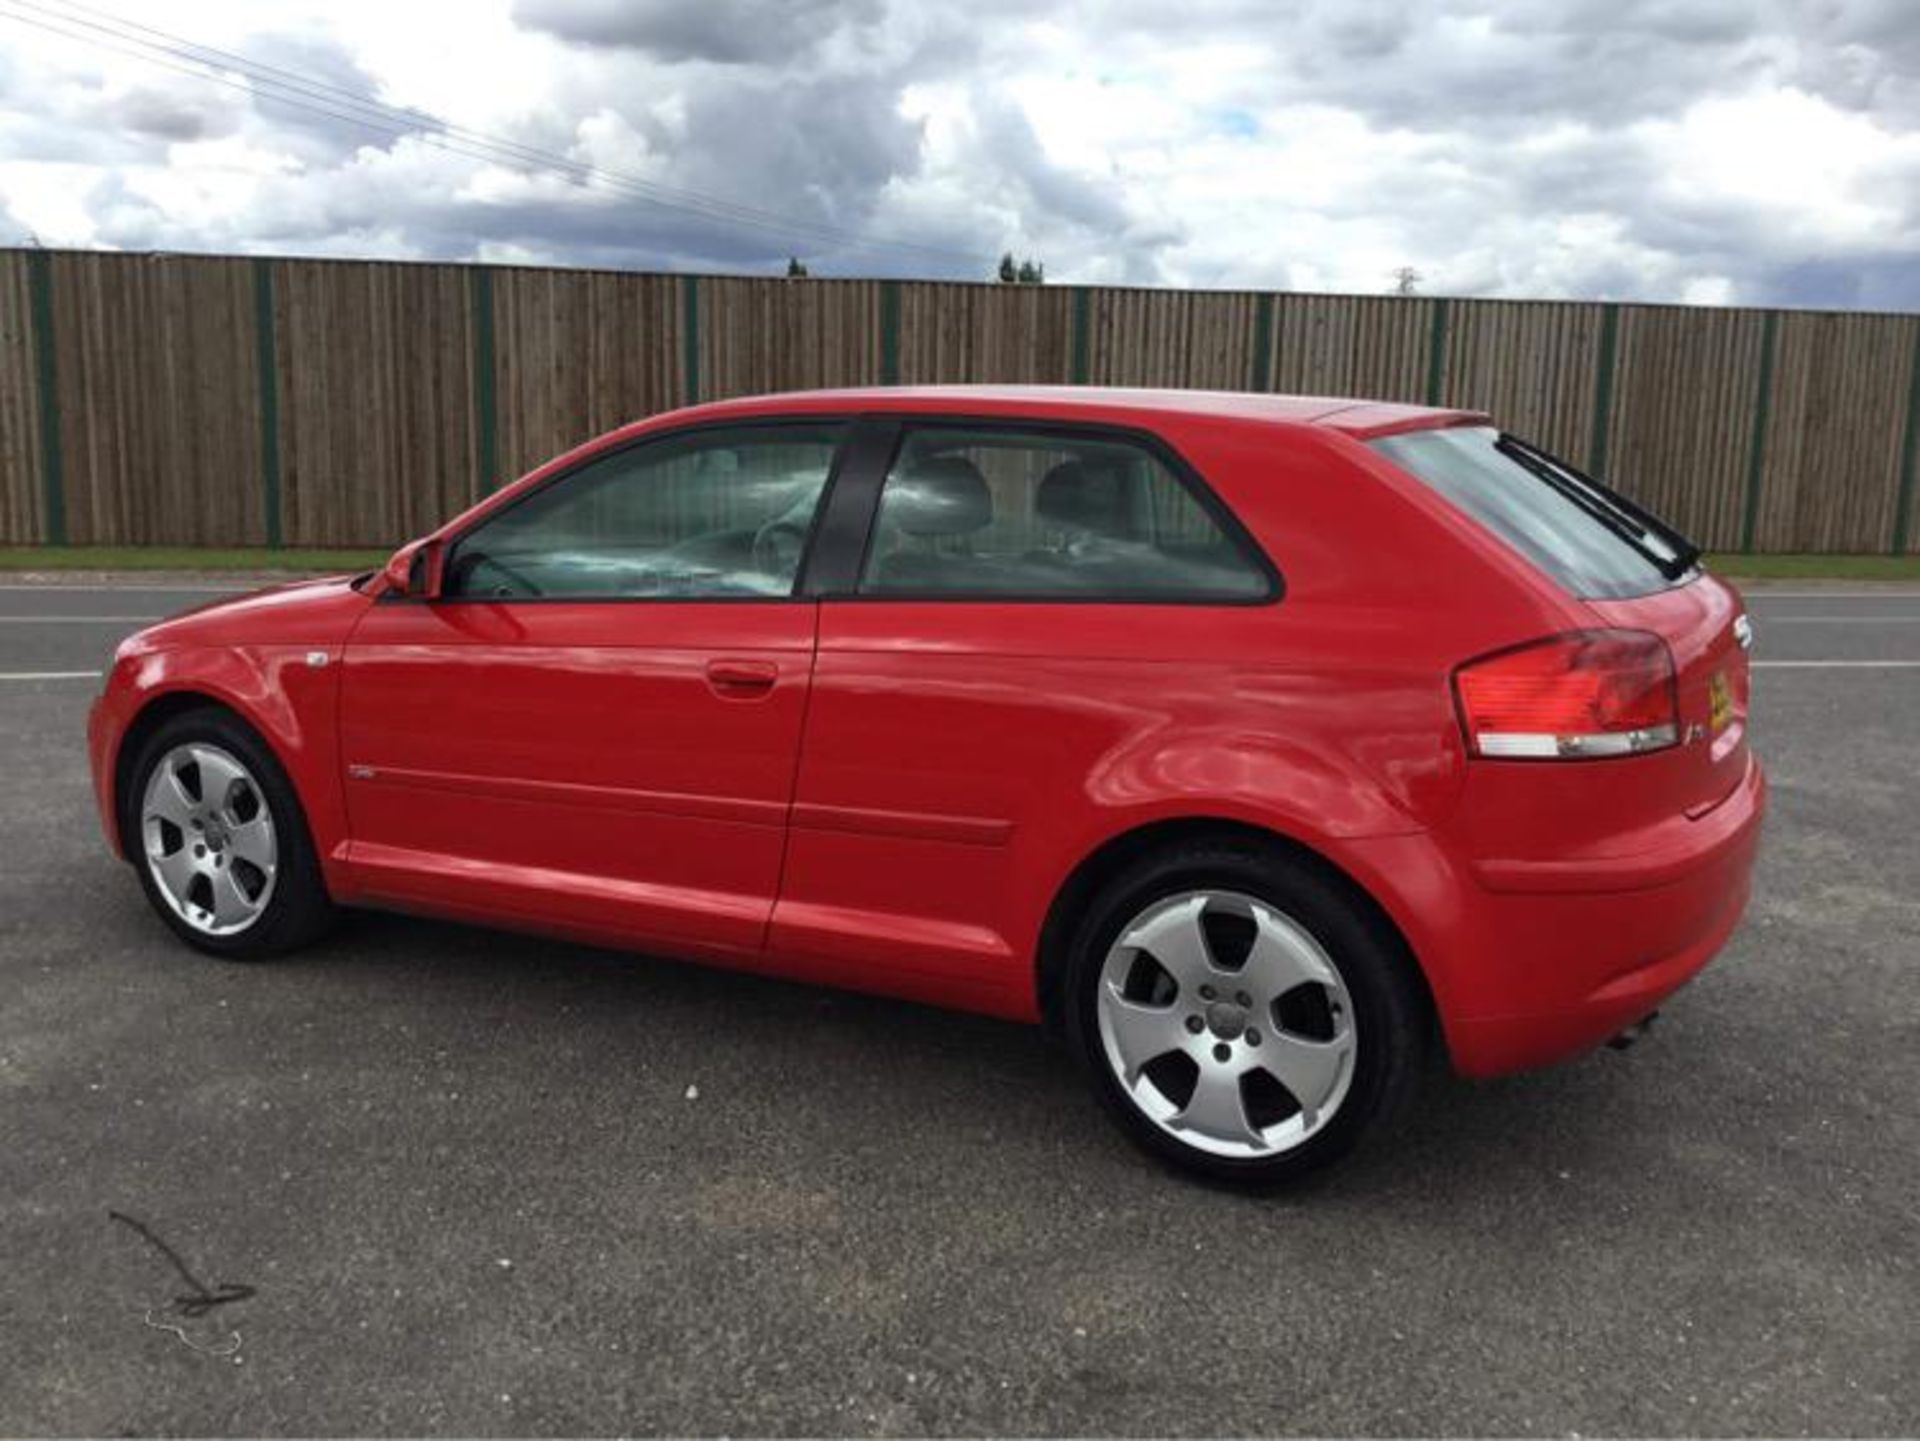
<point>518,583</point>
<point>777,546</point>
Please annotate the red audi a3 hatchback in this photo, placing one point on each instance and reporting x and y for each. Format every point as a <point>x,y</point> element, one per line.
<point>1258,745</point>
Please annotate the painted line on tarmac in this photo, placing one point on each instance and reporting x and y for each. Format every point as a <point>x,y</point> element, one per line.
<point>49,675</point>
<point>1843,620</point>
<point>78,619</point>
<point>55,585</point>
<point>1904,593</point>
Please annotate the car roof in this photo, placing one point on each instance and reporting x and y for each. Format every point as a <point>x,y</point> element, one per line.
<point>1113,404</point>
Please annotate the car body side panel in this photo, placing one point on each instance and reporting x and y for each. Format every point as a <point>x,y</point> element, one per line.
<point>962,756</point>
<point>585,763</point>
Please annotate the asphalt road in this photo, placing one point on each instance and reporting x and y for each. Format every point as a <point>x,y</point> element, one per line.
<point>487,1184</point>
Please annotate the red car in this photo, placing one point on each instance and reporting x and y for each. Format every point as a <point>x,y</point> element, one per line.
<point>1256,744</point>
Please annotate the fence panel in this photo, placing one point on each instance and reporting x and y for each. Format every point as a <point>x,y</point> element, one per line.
<point>578,353</point>
<point>758,336</point>
<point>1831,456</point>
<point>996,334</point>
<point>225,400</point>
<point>1533,365</point>
<point>158,386</point>
<point>1176,338</point>
<point>22,517</point>
<point>1679,437</point>
<point>1379,347</point>
<point>375,380</point>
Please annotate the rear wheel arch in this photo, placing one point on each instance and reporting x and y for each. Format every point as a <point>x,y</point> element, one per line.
<point>1118,853</point>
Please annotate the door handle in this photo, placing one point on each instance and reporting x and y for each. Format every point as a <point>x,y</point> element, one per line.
<point>742,677</point>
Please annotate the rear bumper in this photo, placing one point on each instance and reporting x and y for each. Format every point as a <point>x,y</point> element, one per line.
<point>1534,960</point>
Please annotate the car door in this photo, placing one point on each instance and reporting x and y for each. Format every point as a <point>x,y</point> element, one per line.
<point>1033,605</point>
<point>594,726</point>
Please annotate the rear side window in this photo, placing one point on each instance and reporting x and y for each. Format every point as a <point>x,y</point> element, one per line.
<point>1591,541</point>
<point>1032,515</point>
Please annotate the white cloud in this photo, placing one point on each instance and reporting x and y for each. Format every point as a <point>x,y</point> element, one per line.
<point>1649,149</point>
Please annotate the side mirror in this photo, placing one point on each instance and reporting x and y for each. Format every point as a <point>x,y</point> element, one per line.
<point>414,571</point>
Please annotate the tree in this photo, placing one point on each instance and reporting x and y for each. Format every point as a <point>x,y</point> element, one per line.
<point>797,268</point>
<point>1405,279</point>
<point>1025,272</point>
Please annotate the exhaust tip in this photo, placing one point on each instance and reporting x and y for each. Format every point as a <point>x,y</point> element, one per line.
<point>1630,1035</point>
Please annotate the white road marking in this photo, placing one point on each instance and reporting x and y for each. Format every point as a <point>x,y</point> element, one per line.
<point>1843,620</point>
<point>1908,593</point>
<point>49,675</point>
<point>79,619</point>
<point>55,585</point>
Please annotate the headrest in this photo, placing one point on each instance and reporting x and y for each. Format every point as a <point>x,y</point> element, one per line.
<point>1089,497</point>
<point>938,495</point>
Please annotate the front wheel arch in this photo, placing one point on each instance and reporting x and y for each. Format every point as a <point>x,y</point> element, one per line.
<point>148,719</point>
<point>1115,855</point>
<point>301,907</point>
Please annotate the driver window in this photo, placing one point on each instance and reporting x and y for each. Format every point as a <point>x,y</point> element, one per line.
<point>711,514</point>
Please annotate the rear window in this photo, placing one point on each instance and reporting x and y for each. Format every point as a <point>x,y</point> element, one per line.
<point>1591,541</point>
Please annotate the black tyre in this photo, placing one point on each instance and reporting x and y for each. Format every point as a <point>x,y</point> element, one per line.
<point>219,840</point>
<point>1241,1012</point>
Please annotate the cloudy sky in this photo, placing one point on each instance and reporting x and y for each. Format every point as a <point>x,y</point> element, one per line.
<point>1713,151</point>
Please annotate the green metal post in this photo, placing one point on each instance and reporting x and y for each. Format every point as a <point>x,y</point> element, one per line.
<point>53,488</point>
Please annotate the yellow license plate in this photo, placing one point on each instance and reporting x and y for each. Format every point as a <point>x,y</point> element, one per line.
<point>1720,696</point>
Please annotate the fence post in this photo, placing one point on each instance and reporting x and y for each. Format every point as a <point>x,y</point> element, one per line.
<point>486,397</point>
<point>1903,505</point>
<point>1603,390</point>
<point>1437,351</point>
<point>53,483</point>
<point>690,338</point>
<point>1082,324</point>
<point>889,332</point>
<point>1263,342</point>
<point>1756,451</point>
<point>266,363</point>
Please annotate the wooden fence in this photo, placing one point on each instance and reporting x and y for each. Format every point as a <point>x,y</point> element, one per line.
<point>225,401</point>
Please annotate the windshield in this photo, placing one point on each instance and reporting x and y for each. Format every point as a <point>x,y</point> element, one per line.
<point>1592,541</point>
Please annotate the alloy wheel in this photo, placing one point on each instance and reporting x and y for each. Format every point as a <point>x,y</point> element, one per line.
<point>1226,1024</point>
<point>208,836</point>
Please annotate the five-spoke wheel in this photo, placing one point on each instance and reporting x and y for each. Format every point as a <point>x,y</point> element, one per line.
<point>208,838</point>
<point>214,826</point>
<point>1226,1023</point>
<point>1243,1009</point>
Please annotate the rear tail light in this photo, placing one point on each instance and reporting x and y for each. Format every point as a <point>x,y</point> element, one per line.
<point>1585,694</point>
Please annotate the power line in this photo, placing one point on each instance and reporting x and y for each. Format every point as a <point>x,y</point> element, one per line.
<point>390,120</point>
<point>289,88</point>
<point>318,98</point>
<point>279,80</point>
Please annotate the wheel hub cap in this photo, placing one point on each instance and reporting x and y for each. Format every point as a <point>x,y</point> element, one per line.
<point>1226,1020</point>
